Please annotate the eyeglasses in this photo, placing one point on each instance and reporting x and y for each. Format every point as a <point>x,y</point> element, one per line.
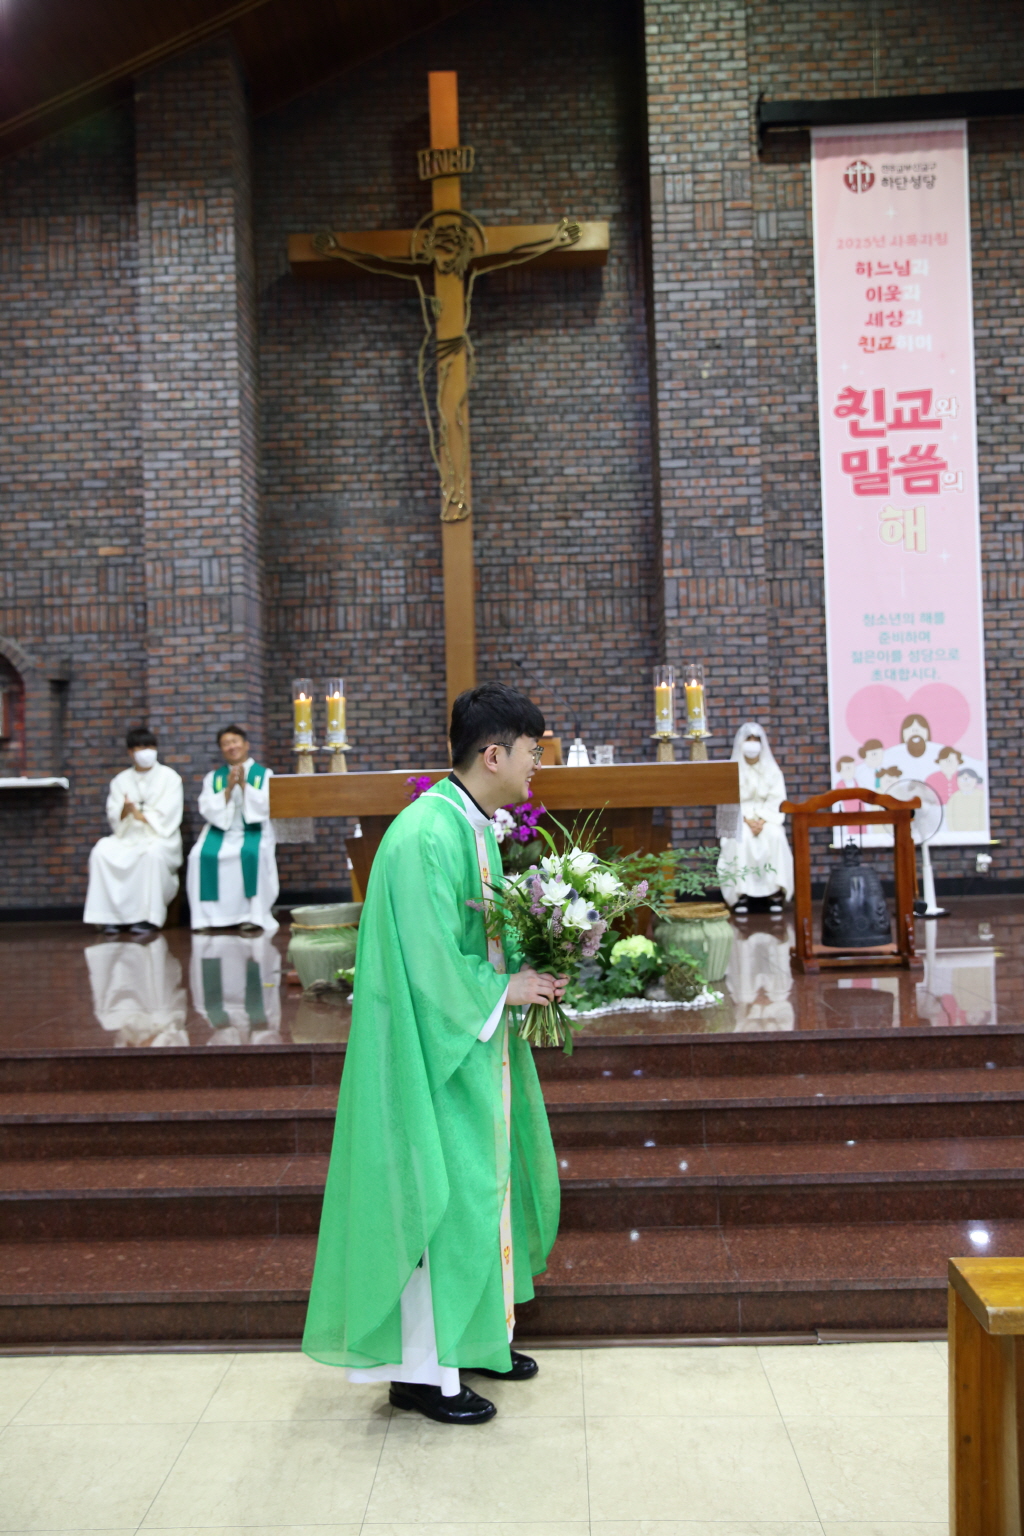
<point>536,753</point>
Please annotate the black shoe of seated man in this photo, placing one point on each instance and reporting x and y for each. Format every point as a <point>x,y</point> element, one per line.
<point>249,930</point>
<point>110,930</point>
<point>143,929</point>
<point>465,1408</point>
<point>523,1367</point>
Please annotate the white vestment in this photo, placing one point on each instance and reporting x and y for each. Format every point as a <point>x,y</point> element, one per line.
<point>233,906</point>
<point>133,873</point>
<point>137,992</point>
<point>761,865</point>
<point>236,986</point>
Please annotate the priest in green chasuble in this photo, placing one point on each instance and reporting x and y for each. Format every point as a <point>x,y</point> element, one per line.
<point>442,1195</point>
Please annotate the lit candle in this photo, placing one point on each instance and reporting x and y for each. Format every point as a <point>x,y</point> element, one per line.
<point>302,711</point>
<point>696,722</point>
<point>335,712</point>
<point>664,701</point>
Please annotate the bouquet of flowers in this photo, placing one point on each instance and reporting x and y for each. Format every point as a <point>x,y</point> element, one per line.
<point>559,913</point>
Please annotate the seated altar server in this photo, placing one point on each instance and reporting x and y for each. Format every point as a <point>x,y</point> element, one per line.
<point>133,873</point>
<point>232,871</point>
<point>755,858</point>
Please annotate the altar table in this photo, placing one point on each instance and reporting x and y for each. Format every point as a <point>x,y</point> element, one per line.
<point>625,795</point>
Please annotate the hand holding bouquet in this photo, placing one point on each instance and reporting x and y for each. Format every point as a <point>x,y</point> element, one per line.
<point>559,912</point>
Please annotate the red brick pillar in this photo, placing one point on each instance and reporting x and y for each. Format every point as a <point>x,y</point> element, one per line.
<point>201,543</point>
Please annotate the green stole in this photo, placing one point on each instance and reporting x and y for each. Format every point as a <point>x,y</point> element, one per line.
<point>213,993</point>
<point>209,880</point>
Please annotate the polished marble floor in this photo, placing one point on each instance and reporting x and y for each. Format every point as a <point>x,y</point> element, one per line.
<point>67,988</point>
<point>814,1440</point>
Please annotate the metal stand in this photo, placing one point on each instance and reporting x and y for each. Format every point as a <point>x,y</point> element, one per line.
<point>932,908</point>
<point>305,762</point>
<point>338,763</point>
<point>666,751</point>
<point>698,745</point>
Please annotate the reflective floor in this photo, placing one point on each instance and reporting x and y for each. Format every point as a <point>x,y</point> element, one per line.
<point>64,987</point>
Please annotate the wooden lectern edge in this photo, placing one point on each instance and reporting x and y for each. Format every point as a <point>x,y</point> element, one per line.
<point>995,1319</point>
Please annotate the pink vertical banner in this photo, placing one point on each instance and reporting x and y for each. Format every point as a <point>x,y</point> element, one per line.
<point>906,662</point>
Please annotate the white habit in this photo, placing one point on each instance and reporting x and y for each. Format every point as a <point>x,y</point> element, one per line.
<point>766,859</point>
<point>230,815</point>
<point>133,873</point>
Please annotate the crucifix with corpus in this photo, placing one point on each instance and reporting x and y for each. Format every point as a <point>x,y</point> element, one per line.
<point>456,248</point>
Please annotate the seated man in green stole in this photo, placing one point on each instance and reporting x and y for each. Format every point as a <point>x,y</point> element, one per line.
<point>442,1196</point>
<point>232,871</point>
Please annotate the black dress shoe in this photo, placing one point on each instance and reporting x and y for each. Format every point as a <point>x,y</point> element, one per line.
<point>523,1367</point>
<point>465,1408</point>
<point>142,929</point>
<point>110,930</point>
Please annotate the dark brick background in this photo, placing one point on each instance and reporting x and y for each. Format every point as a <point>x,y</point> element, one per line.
<point>189,432</point>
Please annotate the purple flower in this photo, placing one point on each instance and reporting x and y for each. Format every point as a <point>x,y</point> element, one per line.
<point>418,783</point>
<point>592,940</point>
<point>556,920</point>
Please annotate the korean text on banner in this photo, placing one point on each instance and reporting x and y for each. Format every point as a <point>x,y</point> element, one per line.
<point>906,664</point>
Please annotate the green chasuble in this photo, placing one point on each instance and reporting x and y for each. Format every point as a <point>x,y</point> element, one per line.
<point>420,1156</point>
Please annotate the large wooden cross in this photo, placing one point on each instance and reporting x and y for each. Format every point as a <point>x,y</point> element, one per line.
<point>456,248</point>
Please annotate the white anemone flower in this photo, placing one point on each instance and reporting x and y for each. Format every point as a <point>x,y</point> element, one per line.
<point>580,863</point>
<point>579,914</point>
<point>603,883</point>
<point>551,866</point>
<point>502,822</point>
<point>555,892</point>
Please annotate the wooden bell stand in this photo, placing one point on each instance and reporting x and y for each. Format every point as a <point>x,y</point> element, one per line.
<point>810,814</point>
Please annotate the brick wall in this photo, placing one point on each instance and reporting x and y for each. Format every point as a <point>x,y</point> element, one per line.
<point>186,427</point>
<point>70,570</point>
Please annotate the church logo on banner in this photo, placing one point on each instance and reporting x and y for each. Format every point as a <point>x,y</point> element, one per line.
<point>899,479</point>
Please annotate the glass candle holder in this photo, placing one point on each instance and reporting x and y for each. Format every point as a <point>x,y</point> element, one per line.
<point>335,711</point>
<point>302,712</point>
<point>696,713</point>
<point>664,701</point>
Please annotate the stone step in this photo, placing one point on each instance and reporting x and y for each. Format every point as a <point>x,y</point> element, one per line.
<point>638,1110</point>
<point>604,1189</point>
<point>644,1282</point>
<point>101,1069</point>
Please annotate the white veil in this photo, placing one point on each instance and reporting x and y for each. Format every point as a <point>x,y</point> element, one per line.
<point>728,818</point>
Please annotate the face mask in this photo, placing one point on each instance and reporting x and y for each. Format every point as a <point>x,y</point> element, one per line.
<point>144,757</point>
<point>751,750</point>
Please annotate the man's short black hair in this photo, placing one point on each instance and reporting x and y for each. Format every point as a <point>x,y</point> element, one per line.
<point>140,736</point>
<point>491,713</point>
<point>234,730</point>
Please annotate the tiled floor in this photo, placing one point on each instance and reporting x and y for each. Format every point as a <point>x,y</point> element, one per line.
<point>834,1440</point>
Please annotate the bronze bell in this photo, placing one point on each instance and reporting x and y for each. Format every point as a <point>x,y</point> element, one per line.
<point>854,913</point>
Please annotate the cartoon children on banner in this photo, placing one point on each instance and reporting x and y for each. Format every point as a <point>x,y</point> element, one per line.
<point>927,738</point>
